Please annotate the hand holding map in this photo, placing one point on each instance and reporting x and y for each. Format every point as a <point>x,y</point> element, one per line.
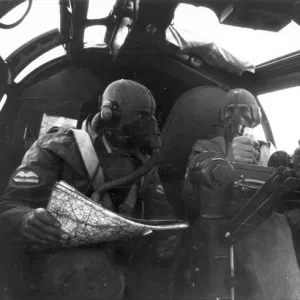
<point>88,222</point>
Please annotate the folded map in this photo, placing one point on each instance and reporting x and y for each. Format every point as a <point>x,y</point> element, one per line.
<point>88,222</point>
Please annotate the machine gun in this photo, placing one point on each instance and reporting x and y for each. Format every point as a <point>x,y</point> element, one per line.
<point>259,191</point>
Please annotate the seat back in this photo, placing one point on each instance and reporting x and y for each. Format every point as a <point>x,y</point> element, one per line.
<point>194,116</point>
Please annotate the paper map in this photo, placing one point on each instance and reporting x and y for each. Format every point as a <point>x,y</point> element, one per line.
<point>88,222</point>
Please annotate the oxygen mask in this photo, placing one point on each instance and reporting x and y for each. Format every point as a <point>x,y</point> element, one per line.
<point>236,118</point>
<point>238,111</point>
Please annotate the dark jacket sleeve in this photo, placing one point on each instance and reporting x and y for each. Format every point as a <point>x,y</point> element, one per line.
<point>191,204</point>
<point>189,192</point>
<point>29,188</point>
<point>155,203</point>
<point>198,147</point>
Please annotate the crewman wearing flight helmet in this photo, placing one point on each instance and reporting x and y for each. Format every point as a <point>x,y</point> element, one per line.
<point>265,261</point>
<point>40,264</point>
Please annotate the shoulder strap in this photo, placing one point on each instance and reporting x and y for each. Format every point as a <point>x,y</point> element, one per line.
<point>91,163</point>
<point>88,155</point>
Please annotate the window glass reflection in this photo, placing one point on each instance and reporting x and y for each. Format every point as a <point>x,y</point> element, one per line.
<point>43,16</point>
<point>41,60</point>
<point>256,46</point>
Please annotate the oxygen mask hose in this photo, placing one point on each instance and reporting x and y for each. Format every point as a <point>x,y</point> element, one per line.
<point>154,139</point>
<point>150,163</point>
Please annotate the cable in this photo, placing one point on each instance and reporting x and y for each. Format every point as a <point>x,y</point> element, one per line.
<point>10,26</point>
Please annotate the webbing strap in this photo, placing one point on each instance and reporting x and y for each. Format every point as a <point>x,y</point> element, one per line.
<point>91,162</point>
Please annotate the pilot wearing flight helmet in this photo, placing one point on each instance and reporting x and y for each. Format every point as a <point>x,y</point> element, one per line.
<point>43,269</point>
<point>266,257</point>
<point>238,112</point>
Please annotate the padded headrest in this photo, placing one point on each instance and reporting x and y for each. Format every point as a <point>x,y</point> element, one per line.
<point>194,116</point>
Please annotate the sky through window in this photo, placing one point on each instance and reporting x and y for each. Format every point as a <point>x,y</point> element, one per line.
<point>193,23</point>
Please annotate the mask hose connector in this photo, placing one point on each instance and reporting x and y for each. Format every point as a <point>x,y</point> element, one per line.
<point>150,163</point>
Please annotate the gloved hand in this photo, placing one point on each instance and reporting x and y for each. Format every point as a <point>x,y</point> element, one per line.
<point>42,230</point>
<point>245,150</point>
<point>165,248</point>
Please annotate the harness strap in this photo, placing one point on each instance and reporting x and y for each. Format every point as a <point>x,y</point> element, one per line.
<point>92,165</point>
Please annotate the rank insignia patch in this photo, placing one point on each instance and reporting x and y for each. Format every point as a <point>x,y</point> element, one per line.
<point>160,189</point>
<point>26,177</point>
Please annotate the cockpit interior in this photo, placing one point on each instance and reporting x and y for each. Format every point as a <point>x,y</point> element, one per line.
<point>58,56</point>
